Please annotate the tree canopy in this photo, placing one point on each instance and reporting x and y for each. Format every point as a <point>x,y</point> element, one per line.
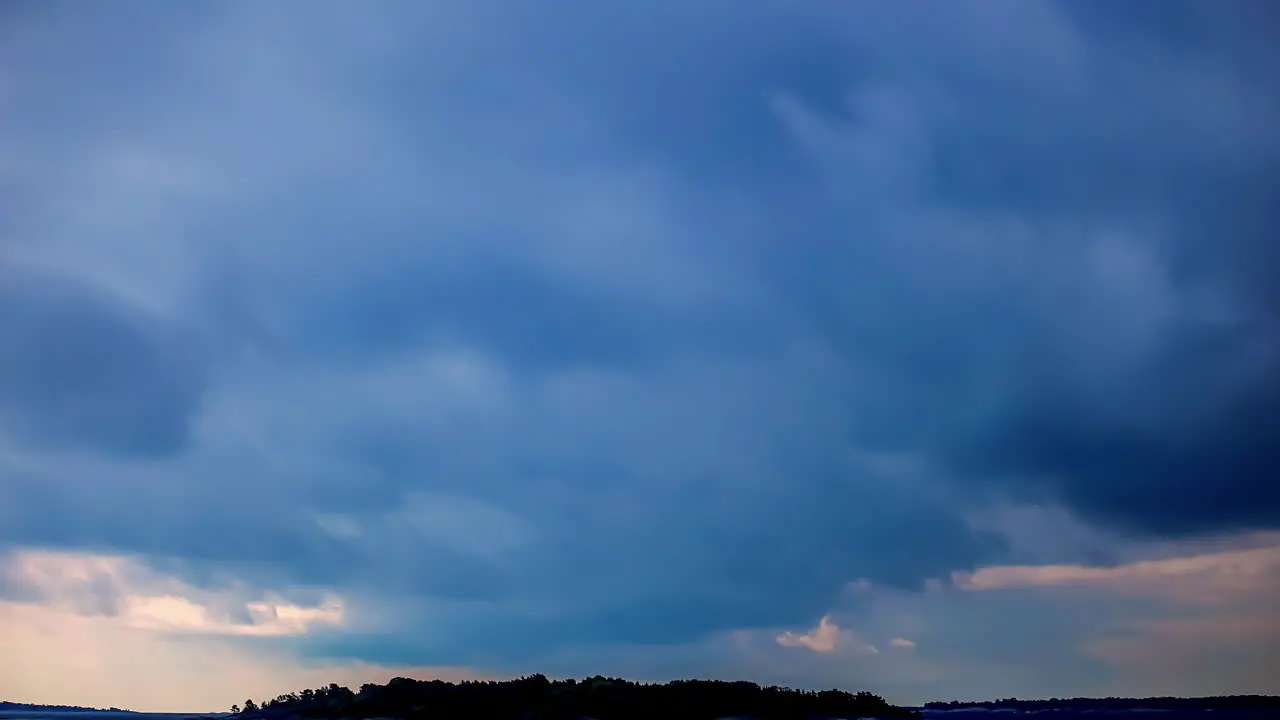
<point>537,698</point>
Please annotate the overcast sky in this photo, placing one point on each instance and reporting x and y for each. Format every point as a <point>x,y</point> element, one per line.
<point>927,348</point>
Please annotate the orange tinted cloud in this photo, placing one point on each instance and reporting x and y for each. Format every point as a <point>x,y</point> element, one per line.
<point>1212,616</point>
<point>825,638</point>
<point>1209,577</point>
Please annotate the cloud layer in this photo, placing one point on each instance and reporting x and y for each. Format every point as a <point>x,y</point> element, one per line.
<point>527,333</point>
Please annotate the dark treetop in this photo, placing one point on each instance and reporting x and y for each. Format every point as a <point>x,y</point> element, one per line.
<point>14,707</point>
<point>537,698</point>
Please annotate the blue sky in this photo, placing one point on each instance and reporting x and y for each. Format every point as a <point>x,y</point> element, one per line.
<point>923,348</point>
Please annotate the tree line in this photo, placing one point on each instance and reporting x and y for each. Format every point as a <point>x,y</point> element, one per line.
<point>14,707</point>
<point>537,698</point>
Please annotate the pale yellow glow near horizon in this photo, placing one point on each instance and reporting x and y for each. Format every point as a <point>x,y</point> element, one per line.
<point>56,657</point>
<point>103,631</point>
<point>1218,603</point>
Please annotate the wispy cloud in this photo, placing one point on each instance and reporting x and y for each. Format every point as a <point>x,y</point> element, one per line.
<point>118,664</point>
<point>1209,577</point>
<point>141,598</point>
<point>128,632</point>
<point>902,643</point>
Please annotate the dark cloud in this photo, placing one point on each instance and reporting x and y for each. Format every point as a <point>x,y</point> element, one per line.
<point>77,369</point>
<point>1208,468</point>
<point>1137,387</point>
<point>653,322</point>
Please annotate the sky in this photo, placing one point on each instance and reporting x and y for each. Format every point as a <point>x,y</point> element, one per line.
<point>931,349</point>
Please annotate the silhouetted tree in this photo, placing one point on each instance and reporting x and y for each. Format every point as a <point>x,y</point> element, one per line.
<point>536,697</point>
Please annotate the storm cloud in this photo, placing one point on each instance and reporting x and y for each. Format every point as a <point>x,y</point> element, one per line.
<point>531,329</point>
